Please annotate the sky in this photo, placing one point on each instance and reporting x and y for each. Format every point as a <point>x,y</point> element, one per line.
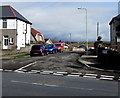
<point>57,20</point>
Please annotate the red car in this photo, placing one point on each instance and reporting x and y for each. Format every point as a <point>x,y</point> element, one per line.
<point>59,47</point>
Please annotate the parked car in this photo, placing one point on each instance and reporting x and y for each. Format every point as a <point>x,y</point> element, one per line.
<point>82,47</point>
<point>66,46</point>
<point>51,48</point>
<point>38,49</point>
<point>59,47</point>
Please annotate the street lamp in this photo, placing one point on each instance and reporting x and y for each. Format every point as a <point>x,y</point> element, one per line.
<point>86,27</point>
<point>70,38</point>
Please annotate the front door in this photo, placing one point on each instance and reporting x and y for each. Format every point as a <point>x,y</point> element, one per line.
<point>5,42</point>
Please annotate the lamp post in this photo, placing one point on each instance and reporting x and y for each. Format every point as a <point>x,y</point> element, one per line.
<point>70,38</point>
<point>86,27</point>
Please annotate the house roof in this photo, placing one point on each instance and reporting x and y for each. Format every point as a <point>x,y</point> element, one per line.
<point>8,12</point>
<point>34,32</point>
<point>46,40</point>
<point>115,18</point>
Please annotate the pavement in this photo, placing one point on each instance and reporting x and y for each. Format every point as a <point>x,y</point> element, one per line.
<point>88,60</point>
<point>91,61</point>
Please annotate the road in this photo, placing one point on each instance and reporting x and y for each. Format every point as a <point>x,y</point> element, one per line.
<point>24,84</point>
<point>54,77</point>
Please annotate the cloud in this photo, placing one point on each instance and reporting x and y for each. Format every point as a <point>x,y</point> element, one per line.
<point>58,20</point>
<point>60,0</point>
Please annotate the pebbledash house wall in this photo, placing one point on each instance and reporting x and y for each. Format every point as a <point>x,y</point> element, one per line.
<point>12,34</point>
<point>18,30</point>
<point>113,33</point>
<point>115,39</point>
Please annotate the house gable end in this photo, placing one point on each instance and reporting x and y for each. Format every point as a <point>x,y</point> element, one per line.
<point>8,12</point>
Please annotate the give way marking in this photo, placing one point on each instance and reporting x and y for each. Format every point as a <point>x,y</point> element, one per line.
<point>22,68</point>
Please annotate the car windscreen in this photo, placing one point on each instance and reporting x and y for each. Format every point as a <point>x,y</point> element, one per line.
<point>49,46</point>
<point>57,45</point>
<point>36,47</point>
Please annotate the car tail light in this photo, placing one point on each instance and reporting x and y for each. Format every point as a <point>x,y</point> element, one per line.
<point>41,47</point>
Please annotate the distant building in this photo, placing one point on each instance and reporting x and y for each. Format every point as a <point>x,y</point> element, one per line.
<point>48,41</point>
<point>15,30</point>
<point>37,37</point>
<point>115,31</point>
<point>119,7</point>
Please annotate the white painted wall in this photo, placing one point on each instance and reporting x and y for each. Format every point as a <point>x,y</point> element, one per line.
<point>21,35</point>
<point>11,24</point>
<point>24,32</point>
<point>28,34</point>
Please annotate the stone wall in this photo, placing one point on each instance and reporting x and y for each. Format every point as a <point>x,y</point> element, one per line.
<point>9,51</point>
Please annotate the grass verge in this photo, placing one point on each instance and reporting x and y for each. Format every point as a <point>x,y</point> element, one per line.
<point>21,55</point>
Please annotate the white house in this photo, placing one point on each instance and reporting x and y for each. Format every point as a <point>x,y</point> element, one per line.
<point>14,28</point>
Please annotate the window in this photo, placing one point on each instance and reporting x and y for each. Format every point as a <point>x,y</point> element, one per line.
<point>6,40</point>
<point>11,40</point>
<point>118,28</point>
<point>4,23</point>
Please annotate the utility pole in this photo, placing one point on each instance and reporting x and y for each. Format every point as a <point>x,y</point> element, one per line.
<point>70,38</point>
<point>97,29</point>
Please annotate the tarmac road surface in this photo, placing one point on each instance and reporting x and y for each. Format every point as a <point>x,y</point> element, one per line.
<point>24,84</point>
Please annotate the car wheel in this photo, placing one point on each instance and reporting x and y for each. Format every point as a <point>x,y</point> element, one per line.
<point>42,54</point>
<point>53,52</point>
<point>47,53</point>
<point>60,51</point>
<point>31,55</point>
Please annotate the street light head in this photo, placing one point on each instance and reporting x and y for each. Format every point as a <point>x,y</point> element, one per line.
<point>79,8</point>
<point>82,9</point>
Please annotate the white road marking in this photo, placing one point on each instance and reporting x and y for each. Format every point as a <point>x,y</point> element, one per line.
<point>105,77</point>
<point>62,72</point>
<point>73,75</point>
<point>8,70</point>
<point>1,69</point>
<point>34,71</point>
<point>19,71</point>
<point>49,85</point>
<point>34,83</point>
<point>58,74</point>
<point>76,73</point>
<point>119,78</point>
<point>46,72</point>
<point>90,75</point>
<point>22,68</point>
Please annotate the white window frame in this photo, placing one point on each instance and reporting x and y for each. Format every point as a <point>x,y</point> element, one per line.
<point>4,25</point>
<point>11,40</point>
